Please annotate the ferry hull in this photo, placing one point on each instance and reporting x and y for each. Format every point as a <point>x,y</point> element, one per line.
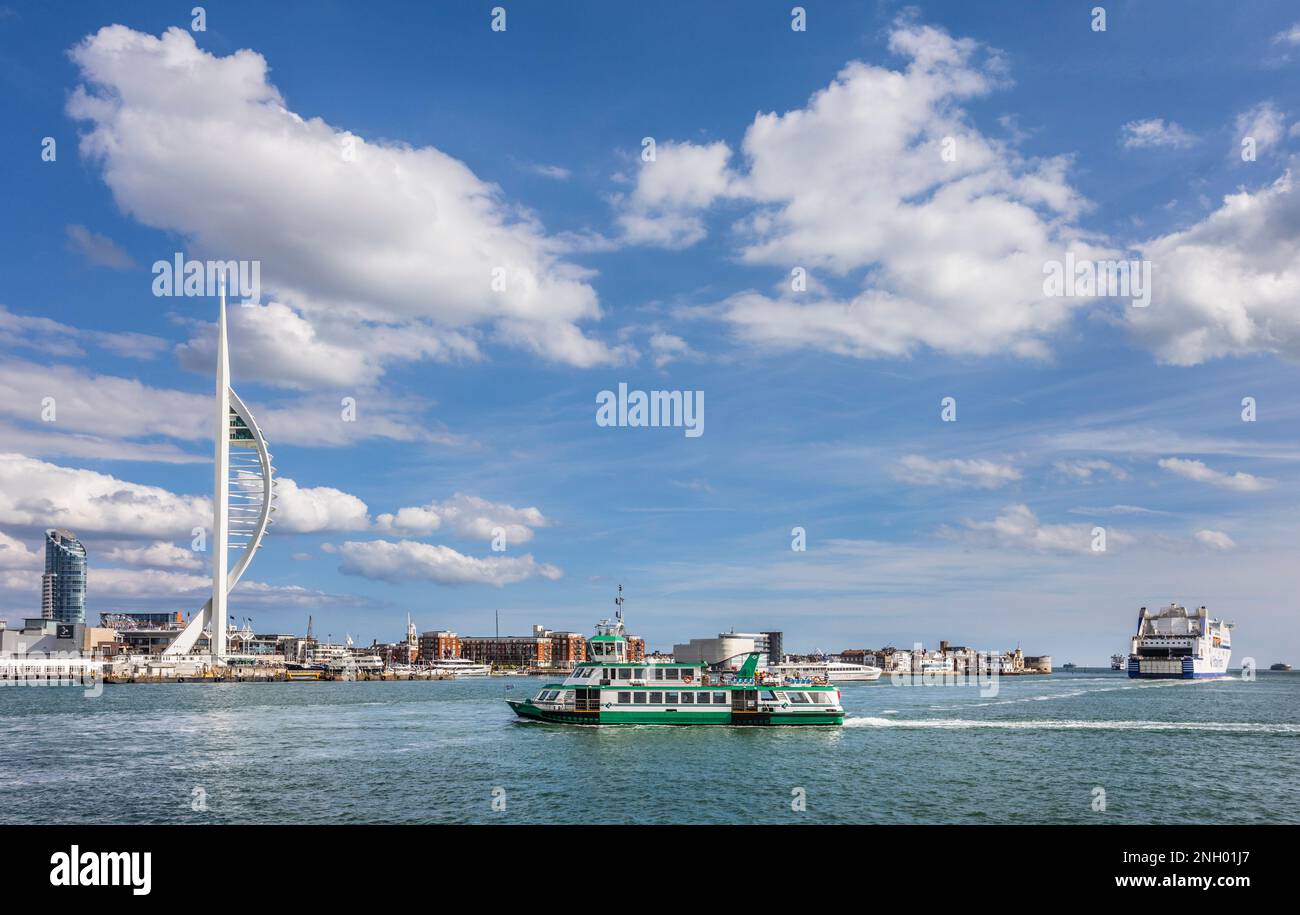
<point>526,709</point>
<point>1186,669</point>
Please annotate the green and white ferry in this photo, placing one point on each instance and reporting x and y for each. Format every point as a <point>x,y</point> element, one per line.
<point>610,689</point>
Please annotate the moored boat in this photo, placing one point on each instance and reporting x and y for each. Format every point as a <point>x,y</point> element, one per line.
<point>459,667</point>
<point>832,671</point>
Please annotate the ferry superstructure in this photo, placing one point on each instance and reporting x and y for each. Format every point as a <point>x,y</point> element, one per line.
<point>1175,644</point>
<point>610,689</point>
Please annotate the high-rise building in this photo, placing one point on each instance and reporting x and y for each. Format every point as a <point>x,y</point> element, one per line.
<point>63,587</point>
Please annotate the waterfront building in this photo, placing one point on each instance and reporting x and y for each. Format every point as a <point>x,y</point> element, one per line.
<point>544,648</point>
<point>1039,664</point>
<point>437,645</point>
<point>295,648</point>
<point>568,649</point>
<point>769,645</point>
<point>726,652</point>
<point>45,637</point>
<point>864,656</point>
<point>509,650</point>
<point>63,586</point>
<point>145,633</point>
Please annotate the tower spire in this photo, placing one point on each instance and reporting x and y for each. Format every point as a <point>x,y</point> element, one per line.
<point>220,488</point>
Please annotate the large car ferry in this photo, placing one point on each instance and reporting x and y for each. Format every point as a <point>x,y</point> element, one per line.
<point>611,689</point>
<point>1174,644</point>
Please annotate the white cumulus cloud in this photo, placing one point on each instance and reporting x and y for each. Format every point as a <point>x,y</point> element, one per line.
<point>1198,471</point>
<point>468,516</point>
<point>947,252</point>
<point>409,560</point>
<point>1017,527</point>
<point>1227,286</point>
<point>157,555</point>
<point>311,509</point>
<point>368,232</point>
<point>1154,133</point>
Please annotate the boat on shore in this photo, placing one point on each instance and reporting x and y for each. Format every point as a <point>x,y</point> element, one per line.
<point>1175,644</point>
<point>611,689</point>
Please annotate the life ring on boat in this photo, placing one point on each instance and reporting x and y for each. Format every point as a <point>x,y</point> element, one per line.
<point>687,679</point>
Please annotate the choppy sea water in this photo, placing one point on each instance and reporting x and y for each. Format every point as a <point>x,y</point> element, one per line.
<point>1223,751</point>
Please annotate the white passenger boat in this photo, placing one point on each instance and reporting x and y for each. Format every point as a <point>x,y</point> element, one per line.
<point>833,671</point>
<point>613,689</point>
<point>459,667</point>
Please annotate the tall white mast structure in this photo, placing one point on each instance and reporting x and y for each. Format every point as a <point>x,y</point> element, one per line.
<point>243,494</point>
<point>220,492</point>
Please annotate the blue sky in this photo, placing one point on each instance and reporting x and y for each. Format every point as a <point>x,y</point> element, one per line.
<point>776,149</point>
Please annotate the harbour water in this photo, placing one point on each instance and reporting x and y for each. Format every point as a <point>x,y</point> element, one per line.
<point>1225,751</point>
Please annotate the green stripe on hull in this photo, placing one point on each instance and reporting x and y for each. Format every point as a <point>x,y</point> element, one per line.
<point>726,717</point>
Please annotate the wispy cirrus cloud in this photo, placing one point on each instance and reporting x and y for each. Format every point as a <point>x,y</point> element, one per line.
<point>924,471</point>
<point>1215,539</point>
<point>98,249</point>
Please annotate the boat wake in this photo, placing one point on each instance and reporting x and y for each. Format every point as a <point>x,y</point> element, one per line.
<point>1049,724</point>
<point>1074,693</point>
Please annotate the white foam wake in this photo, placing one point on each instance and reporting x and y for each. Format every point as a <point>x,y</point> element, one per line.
<point>1048,724</point>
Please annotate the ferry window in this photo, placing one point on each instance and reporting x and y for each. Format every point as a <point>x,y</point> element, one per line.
<point>659,674</point>
<point>624,698</point>
<point>670,698</point>
<point>719,698</point>
<point>640,673</point>
<point>768,695</point>
<point>625,673</point>
<point>672,673</point>
<point>688,698</point>
<point>819,698</point>
<point>656,698</point>
<point>639,697</point>
<point>797,698</point>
